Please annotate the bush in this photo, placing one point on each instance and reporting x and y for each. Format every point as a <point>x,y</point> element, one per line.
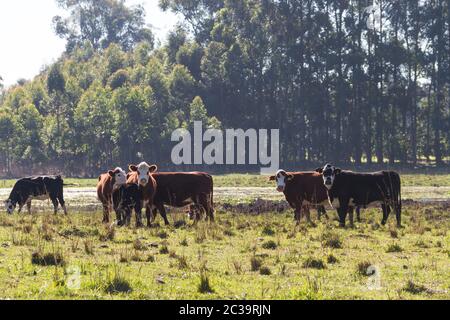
<point>313,263</point>
<point>265,271</point>
<point>118,79</point>
<point>363,268</point>
<point>331,239</point>
<point>255,263</point>
<point>394,248</point>
<point>204,286</point>
<point>118,284</point>
<point>332,259</point>
<point>164,250</point>
<point>413,288</point>
<point>270,245</point>
<point>47,259</point>
<point>268,231</point>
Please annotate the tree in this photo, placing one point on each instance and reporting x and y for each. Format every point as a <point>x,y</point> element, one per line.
<point>7,139</point>
<point>101,23</point>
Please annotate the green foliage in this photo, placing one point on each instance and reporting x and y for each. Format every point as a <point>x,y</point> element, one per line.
<point>55,81</point>
<point>310,70</point>
<point>100,23</point>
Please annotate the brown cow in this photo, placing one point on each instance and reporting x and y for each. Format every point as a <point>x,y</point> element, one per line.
<point>142,175</point>
<point>105,186</point>
<point>182,189</point>
<point>301,190</point>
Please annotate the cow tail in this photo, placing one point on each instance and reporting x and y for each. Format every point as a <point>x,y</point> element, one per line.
<point>211,198</point>
<point>399,199</point>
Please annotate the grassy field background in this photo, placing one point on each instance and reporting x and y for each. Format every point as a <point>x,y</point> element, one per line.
<point>239,257</point>
<point>254,180</point>
<point>242,256</point>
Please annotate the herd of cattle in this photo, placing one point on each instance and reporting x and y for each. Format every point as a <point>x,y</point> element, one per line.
<point>143,188</point>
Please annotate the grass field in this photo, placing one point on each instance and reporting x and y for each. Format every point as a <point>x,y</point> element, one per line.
<point>254,180</point>
<point>241,256</point>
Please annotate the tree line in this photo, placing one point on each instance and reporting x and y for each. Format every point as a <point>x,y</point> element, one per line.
<point>348,81</point>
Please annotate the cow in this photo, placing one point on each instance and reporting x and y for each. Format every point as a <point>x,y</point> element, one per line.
<point>126,198</point>
<point>107,182</point>
<point>180,189</point>
<point>142,175</point>
<point>36,188</point>
<point>347,189</point>
<point>301,190</point>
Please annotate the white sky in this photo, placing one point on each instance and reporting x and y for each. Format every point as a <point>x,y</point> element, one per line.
<point>27,41</point>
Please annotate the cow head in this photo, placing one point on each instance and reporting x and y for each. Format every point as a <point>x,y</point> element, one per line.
<point>143,170</point>
<point>119,177</point>
<point>282,177</point>
<point>329,173</point>
<point>10,206</point>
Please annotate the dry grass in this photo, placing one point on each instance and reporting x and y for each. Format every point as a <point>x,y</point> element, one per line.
<point>249,257</point>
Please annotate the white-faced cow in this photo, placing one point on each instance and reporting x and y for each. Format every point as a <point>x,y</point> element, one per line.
<point>302,189</point>
<point>180,189</point>
<point>107,182</point>
<point>142,175</point>
<point>347,189</point>
<point>36,188</point>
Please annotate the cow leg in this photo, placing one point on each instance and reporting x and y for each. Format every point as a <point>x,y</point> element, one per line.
<point>139,218</point>
<point>55,203</point>
<point>211,208</point>
<point>298,214</point>
<point>120,216</point>
<point>342,212</point>
<point>386,210</point>
<point>350,214</point>
<point>21,205</point>
<point>321,211</point>
<point>154,214</point>
<point>127,218</point>
<point>105,213</point>
<point>149,215</point>
<point>358,214</point>
<point>204,204</point>
<point>163,213</point>
<point>62,203</point>
<point>307,214</point>
<point>398,215</point>
<point>29,207</point>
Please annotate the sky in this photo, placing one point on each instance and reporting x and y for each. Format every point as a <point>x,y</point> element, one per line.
<point>27,40</point>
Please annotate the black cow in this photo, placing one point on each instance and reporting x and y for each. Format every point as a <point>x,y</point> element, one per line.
<point>180,189</point>
<point>36,188</point>
<point>348,189</point>
<point>126,198</point>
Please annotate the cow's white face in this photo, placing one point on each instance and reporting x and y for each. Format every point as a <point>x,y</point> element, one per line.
<point>282,177</point>
<point>120,177</point>
<point>144,170</point>
<point>329,173</point>
<point>9,206</point>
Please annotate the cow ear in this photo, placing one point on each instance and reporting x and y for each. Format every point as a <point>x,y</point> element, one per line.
<point>290,177</point>
<point>272,178</point>
<point>319,170</point>
<point>111,173</point>
<point>153,168</point>
<point>133,168</point>
<point>337,171</point>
